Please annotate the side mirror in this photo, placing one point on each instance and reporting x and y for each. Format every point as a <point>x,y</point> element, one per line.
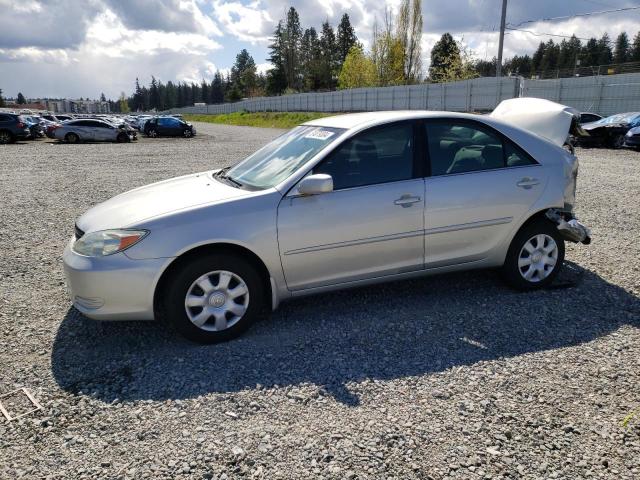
<point>315,184</point>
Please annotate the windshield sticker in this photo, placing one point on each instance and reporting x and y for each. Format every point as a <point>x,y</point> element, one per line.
<point>319,134</point>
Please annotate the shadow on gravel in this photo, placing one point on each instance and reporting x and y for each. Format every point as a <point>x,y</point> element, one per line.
<point>384,332</point>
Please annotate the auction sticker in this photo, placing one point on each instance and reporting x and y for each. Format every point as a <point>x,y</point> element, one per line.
<point>319,134</point>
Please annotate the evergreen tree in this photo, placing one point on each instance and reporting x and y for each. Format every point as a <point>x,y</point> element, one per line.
<point>622,51</point>
<point>328,57</point>
<point>487,68</point>
<point>590,53</point>
<point>446,61</point>
<point>170,96</point>
<point>196,94</point>
<point>634,54</point>
<point>204,92</point>
<point>292,34</point>
<point>154,94</point>
<point>549,63</point>
<point>605,55</point>
<point>102,97</point>
<point>2,102</point>
<point>217,88</point>
<point>310,60</point>
<point>21,100</point>
<point>276,77</point>
<point>138,98</point>
<point>346,38</point>
<point>536,59</point>
<point>243,74</point>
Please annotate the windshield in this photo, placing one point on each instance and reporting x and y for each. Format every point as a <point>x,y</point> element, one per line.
<point>277,160</point>
<point>620,118</point>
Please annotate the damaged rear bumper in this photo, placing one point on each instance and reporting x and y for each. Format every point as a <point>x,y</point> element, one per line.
<point>569,226</point>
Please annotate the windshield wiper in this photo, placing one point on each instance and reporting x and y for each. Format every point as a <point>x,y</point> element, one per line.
<point>222,174</point>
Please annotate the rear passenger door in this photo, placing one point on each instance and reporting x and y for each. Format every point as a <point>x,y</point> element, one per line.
<point>480,184</point>
<point>101,131</point>
<point>83,129</point>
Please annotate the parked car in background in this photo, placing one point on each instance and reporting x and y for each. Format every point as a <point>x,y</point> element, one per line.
<point>13,127</point>
<point>88,130</point>
<point>35,126</point>
<point>334,203</point>
<point>609,131</point>
<point>141,121</point>
<point>588,117</point>
<point>168,127</point>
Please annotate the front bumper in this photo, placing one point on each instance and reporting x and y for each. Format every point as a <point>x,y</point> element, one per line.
<point>632,141</point>
<point>114,287</point>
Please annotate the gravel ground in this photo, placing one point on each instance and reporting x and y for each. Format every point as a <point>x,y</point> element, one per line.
<point>443,377</point>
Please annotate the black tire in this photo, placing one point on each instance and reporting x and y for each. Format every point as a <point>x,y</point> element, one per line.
<point>187,133</point>
<point>152,133</point>
<point>122,138</point>
<point>181,281</point>
<point>6,137</point>
<point>514,274</point>
<point>617,141</point>
<point>72,138</point>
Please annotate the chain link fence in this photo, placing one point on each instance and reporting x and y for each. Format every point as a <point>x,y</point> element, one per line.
<point>605,95</point>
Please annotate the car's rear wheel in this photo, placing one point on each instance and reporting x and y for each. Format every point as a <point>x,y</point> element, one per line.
<point>617,141</point>
<point>187,133</point>
<point>6,137</point>
<point>72,138</point>
<point>123,137</point>
<point>214,298</point>
<point>535,256</point>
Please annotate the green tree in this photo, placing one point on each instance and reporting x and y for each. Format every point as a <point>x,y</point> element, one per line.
<point>2,102</point>
<point>605,55</point>
<point>328,57</point>
<point>21,100</point>
<point>123,104</point>
<point>345,38</point>
<point>446,61</point>
<point>243,74</point>
<point>549,64</point>
<point>357,71</point>
<point>154,94</point>
<point>291,36</point>
<point>387,53</point>
<point>590,53</point>
<point>622,51</point>
<point>634,54</point>
<point>204,89</point>
<point>310,60</point>
<point>536,59</point>
<point>276,77</point>
<point>217,88</point>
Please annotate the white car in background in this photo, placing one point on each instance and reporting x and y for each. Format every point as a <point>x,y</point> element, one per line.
<point>334,203</point>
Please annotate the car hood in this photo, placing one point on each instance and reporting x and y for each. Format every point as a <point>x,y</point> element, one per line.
<point>550,120</point>
<point>131,208</point>
<point>594,125</point>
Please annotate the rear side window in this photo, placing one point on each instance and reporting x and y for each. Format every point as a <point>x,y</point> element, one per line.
<point>4,118</point>
<point>379,155</point>
<point>462,147</point>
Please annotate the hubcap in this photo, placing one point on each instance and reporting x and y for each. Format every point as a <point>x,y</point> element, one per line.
<point>217,300</point>
<point>538,258</point>
<point>4,137</point>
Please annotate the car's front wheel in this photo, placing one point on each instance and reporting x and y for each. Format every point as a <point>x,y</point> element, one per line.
<point>5,137</point>
<point>187,133</point>
<point>152,133</point>
<point>214,298</point>
<point>535,256</point>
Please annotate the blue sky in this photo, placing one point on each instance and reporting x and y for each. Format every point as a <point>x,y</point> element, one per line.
<point>79,48</point>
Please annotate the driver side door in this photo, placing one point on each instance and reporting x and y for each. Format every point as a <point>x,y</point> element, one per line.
<point>370,225</point>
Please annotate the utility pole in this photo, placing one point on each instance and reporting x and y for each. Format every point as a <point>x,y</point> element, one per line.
<point>501,44</point>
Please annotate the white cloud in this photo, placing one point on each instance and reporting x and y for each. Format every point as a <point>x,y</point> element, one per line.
<point>250,23</point>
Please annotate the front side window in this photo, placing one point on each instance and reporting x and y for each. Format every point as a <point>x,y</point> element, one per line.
<point>379,155</point>
<point>464,147</point>
<point>277,160</point>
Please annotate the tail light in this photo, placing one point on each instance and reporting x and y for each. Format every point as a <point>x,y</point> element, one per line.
<point>20,125</point>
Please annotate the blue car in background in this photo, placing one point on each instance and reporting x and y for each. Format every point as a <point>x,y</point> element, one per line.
<point>610,131</point>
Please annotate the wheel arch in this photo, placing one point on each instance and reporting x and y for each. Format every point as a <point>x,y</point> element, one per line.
<point>218,247</point>
<point>537,215</point>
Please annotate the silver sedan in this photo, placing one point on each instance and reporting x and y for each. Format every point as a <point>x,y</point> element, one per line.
<point>334,203</point>
<point>91,130</point>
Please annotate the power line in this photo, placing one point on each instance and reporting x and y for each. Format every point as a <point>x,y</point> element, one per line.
<point>540,34</point>
<point>588,14</point>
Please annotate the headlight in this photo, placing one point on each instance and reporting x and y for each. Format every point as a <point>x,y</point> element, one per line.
<point>107,242</point>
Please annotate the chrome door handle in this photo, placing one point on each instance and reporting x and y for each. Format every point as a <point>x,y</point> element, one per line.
<point>528,182</point>
<point>407,200</point>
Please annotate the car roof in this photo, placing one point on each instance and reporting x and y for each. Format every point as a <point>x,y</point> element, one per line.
<point>367,119</point>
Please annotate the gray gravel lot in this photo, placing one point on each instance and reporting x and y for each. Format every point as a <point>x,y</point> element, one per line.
<point>443,377</point>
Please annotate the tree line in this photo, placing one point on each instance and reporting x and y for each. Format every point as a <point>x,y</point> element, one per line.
<point>307,60</point>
